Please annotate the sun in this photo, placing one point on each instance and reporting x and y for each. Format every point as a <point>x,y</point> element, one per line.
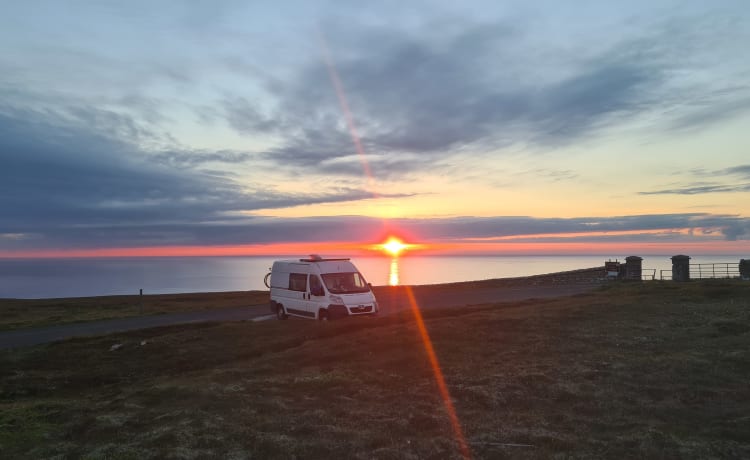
<point>394,246</point>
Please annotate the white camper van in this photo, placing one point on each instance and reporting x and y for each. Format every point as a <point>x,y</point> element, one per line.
<point>319,288</point>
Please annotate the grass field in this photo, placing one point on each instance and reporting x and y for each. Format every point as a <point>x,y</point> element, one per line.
<point>24,313</point>
<point>657,370</point>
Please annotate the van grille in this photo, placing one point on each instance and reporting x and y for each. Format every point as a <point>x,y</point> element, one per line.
<point>361,309</point>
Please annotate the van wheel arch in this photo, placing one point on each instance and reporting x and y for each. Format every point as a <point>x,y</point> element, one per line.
<point>280,313</point>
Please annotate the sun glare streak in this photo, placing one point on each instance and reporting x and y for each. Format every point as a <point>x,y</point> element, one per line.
<point>344,104</point>
<point>437,371</point>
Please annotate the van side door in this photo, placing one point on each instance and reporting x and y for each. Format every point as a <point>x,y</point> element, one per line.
<point>297,304</point>
<point>316,298</point>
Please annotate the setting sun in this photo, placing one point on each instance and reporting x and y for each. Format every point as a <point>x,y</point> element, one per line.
<point>394,246</point>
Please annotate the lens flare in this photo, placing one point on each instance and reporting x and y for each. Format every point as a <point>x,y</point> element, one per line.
<point>438,373</point>
<point>344,105</point>
<point>394,246</point>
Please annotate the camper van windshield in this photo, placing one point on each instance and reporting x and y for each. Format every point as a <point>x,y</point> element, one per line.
<point>345,283</point>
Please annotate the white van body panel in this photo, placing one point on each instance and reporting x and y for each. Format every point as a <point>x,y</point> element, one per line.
<point>310,287</point>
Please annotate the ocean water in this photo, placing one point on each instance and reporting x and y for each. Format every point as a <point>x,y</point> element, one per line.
<point>49,278</point>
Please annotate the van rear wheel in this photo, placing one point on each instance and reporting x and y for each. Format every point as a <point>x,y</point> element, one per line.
<point>280,314</point>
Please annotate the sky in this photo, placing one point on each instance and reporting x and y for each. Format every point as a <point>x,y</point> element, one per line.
<point>492,127</point>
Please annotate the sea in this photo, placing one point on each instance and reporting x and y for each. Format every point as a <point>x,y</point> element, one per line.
<point>84,277</point>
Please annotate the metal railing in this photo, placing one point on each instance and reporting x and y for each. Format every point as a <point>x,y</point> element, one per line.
<point>707,271</point>
<point>717,270</point>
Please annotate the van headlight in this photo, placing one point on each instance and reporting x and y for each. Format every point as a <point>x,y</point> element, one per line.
<point>336,299</point>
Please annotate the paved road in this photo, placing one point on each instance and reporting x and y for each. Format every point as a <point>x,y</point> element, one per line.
<point>392,302</point>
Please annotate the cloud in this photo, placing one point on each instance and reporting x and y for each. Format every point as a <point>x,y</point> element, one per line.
<point>68,184</point>
<point>483,86</point>
<point>724,105</point>
<point>415,94</point>
<point>418,96</point>
<point>241,230</point>
<point>505,226</point>
<point>739,230</point>
<point>699,188</point>
<point>741,170</point>
<point>192,158</point>
<point>246,118</point>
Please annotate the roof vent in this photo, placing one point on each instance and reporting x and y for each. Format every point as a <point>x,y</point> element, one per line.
<point>317,258</point>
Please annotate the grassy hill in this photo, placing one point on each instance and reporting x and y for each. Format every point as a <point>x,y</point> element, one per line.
<point>656,369</point>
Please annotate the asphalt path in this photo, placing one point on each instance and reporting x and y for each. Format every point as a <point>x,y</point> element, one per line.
<point>395,300</point>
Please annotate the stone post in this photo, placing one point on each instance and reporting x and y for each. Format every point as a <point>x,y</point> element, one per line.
<point>680,268</point>
<point>745,269</point>
<point>633,268</point>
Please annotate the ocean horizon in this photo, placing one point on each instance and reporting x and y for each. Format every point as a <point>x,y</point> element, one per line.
<point>85,277</point>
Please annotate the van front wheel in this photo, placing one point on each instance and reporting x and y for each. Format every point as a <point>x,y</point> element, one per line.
<point>323,315</point>
<point>280,312</point>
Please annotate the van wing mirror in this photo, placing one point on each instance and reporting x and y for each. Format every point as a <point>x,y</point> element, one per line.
<point>317,291</point>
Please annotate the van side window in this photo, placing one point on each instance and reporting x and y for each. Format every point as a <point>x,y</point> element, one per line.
<point>298,282</point>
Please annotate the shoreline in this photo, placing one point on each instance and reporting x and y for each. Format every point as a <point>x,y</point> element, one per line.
<point>582,275</point>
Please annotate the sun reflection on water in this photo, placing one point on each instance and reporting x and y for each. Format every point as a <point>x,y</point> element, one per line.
<point>393,272</point>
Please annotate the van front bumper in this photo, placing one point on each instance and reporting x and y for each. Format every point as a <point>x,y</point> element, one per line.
<point>340,311</point>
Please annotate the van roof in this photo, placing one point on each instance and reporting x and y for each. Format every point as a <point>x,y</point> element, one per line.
<point>311,260</point>
<point>322,260</point>
<point>323,265</point>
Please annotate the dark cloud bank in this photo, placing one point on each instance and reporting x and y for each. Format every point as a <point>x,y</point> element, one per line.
<point>66,187</point>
